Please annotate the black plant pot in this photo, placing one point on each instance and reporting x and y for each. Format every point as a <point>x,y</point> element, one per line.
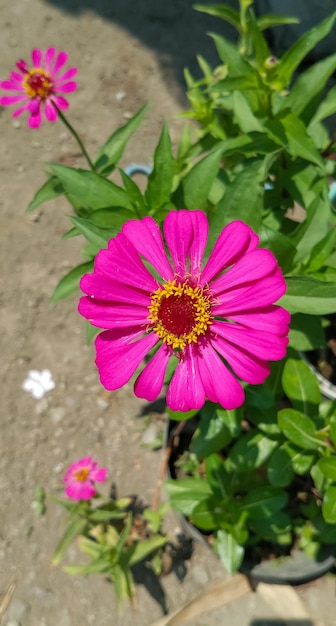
<point>295,569</point>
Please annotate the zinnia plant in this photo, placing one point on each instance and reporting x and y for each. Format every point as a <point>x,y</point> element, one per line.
<point>213,319</point>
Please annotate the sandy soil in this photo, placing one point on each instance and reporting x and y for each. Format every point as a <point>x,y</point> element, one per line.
<point>138,48</point>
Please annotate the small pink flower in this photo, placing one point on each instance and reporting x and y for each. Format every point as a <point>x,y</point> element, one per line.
<point>80,477</point>
<point>218,319</point>
<point>39,86</point>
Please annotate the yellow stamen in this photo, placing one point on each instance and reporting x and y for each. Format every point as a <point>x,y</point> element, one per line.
<point>81,474</point>
<point>180,313</point>
<point>37,83</point>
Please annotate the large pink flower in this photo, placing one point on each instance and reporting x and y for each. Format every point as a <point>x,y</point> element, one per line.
<point>39,87</point>
<point>80,477</point>
<point>219,321</point>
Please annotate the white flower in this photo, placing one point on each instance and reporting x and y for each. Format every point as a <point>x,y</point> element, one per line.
<point>38,383</point>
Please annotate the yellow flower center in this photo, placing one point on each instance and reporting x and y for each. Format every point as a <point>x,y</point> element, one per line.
<point>180,313</point>
<point>81,474</point>
<point>37,83</point>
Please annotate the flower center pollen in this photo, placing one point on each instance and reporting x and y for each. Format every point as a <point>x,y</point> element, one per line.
<point>81,474</point>
<point>37,83</point>
<point>180,313</point>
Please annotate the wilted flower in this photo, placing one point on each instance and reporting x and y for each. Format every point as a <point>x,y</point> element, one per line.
<point>39,87</point>
<point>220,321</point>
<point>38,383</point>
<point>80,477</point>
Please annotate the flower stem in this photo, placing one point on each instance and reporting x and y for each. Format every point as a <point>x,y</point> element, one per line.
<point>77,138</point>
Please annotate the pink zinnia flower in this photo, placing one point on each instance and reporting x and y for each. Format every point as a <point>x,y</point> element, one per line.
<point>39,86</point>
<point>80,477</point>
<point>220,321</point>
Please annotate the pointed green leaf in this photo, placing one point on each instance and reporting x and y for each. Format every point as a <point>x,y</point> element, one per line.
<point>50,190</point>
<point>230,55</point>
<point>199,180</point>
<point>89,190</point>
<point>230,552</point>
<point>299,50</point>
<point>70,282</point>
<point>265,501</point>
<point>76,527</point>
<point>300,429</point>
<point>327,466</point>
<point>111,152</point>
<point>306,332</point>
<point>94,234</point>
<point>226,13</point>
<point>326,108</point>
<point>309,295</point>
<point>250,452</point>
<point>329,505</point>
<point>243,114</point>
<point>143,549</point>
<point>301,386</point>
<point>269,21</point>
<point>279,471</point>
<point>186,493</point>
<point>160,180</point>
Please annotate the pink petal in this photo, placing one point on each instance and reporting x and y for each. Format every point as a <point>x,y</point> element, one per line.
<point>60,102</point>
<point>146,237</point>
<point>15,77</point>
<point>12,85</point>
<point>233,242</point>
<point>122,263</point>
<point>70,73</point>
<point>67,87</point>
<point>50,112</point>
<point>60,61</point>
<point>37,57</point>
<point>117,365</point>
<point>263,293</point>
<point>262,344</point>
<point>22,66</point>
<point>186,389</point>
<point>253,266</point>
<point>80,491</point>
<point>218,382</point>
<point>49,57</point>
<point>248,367</point>
<point>105,315</point>
<point>20,110</point>
<point>8,100</point>
<point>270,318</point>
<point>34,121</point>
<point>98,475</point>
<point>186,234</point>
<point>104,288</point>
<point>149,383</point>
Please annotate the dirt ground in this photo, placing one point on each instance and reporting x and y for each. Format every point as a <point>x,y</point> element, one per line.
<point>138,49</point>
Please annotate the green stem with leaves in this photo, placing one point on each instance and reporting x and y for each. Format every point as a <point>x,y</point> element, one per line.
<point>77,138</point>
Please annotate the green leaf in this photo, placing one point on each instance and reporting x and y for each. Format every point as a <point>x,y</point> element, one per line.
<point>326,108</point>
<point>299,429</point>
<point>211,435</point>
<point>230,552</point>
<point>309,295</point>
<point>243,200</point>
<point>160,180</point>
<point>89,190</point>
<point>76,527</point>
<point>309,84</point>
<point>301,386</point>
<point>277,530</point>
<point>185,494</point>
<point>291,132</point>
<point>306,332</point>
<point>111,219</point>
<point>50,190</point>
<point>299,50</point>
<point>279,471</point>
<point>134,194</point>
<point>327,466</point>
<point>230,55</point>
<point>70,282</point>
<point>313,228</point>
<point>224,12</point>
<point>321,251</point>
<point>109,155</point>
<point>143,549</point>
<point>199,180</point>
<point>265,501</point>
<point>100,566</point>
<point>269,21</point>
<point>243,114</point>
<point>329,505</point>
<point>281,246</point>
<point>217,476</point>
<point>250,452</point>
<point>94,234</point>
